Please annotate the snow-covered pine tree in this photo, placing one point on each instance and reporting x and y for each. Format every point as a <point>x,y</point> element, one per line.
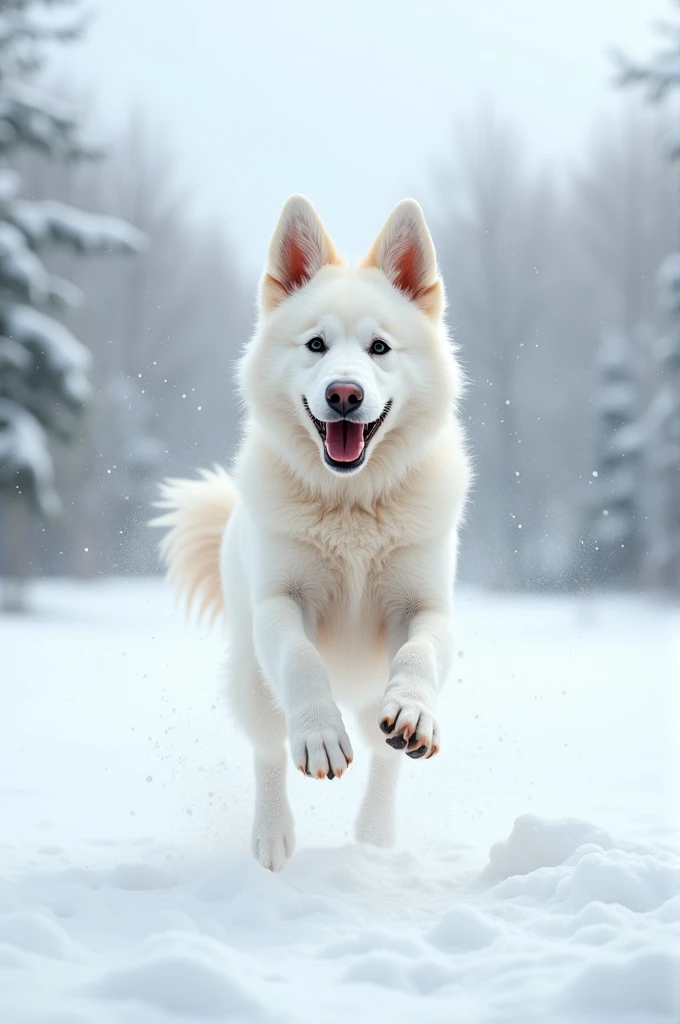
<point>617,526</point>
<point>43,367</point>
<point>659,78</point>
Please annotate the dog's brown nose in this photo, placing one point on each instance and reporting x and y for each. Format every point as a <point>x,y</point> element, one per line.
<point>344,396</point>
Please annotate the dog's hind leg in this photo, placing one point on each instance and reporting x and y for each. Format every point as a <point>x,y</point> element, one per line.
<point>376,823</point>
<point>273,836</point>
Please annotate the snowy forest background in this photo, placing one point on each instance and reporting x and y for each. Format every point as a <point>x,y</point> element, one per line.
<point>563,294</point>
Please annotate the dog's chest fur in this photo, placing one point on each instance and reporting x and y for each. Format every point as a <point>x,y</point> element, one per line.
<point>352,542</point>
<point>348,568</point>
<point>341,552</point>
<point>344,581</point>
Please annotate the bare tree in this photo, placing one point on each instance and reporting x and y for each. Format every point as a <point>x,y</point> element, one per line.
<point>496,240</point>
<point>623,205</point>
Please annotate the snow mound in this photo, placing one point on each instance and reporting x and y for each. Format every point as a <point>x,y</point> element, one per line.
<point>34,932</point>
<point>380,969</point>
<point>463,928</point>
<point>136,877</point>
<point>644,983</point>
<point>641,882</point>
<point>181,983</point>
<point>536,843</point>
<point>370,942</point>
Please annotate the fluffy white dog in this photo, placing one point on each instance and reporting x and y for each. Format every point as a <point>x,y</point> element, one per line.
<point>332,546</point>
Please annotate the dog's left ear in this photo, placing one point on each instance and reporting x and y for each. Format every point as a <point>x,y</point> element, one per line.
<point>405,253</point>
<point>299,248</point>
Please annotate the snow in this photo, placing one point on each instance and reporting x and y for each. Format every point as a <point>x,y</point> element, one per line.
<point>535,878</point>
<point>669,281</point>
<point>615,354</point>
<point>10,182</point>
<point>667,348</point>
<point>13,356</point>
<point>33,116</point>
<point>26,275</point>
<point>61,351</point>
<point>48,220</point>
<point>628,440</point>
<point>616,398</point>
<point>25,461</point>
<point>20,267</point>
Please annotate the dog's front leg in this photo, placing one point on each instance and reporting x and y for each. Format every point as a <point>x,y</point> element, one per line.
<point>422,654</point>
<point>295,671</point>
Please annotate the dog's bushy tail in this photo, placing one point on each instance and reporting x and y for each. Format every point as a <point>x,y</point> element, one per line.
<point>196,513</point>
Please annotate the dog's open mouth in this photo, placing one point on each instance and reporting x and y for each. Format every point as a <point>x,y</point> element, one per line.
<point>344,441</point>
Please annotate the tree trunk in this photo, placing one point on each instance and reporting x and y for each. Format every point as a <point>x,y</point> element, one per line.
<point>15,554</point>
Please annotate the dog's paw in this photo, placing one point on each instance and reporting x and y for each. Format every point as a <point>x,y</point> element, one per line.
<point>410,726</point>
<point>321,749</point>
<point>273,843</point>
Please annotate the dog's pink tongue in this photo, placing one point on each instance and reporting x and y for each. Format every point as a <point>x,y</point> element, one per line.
<point>344,440</point>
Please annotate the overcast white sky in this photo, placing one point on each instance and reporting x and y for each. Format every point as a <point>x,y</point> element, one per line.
<point>349,101</point>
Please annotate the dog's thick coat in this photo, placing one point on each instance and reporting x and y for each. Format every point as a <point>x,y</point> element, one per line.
<point>336,569</point>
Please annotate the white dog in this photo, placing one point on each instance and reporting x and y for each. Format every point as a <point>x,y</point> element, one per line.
<point>332,548</point>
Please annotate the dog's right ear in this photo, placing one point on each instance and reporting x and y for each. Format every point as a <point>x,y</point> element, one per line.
<point>299,248</point>
<point>405,253</point>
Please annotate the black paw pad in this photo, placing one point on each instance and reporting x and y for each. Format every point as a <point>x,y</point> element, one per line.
<point>386,727</point>
<point>331,773</point>
<point>398,742</point>
<point>417,753</point>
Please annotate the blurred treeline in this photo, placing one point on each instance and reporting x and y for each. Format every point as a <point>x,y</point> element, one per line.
<point>543,268</point>
<point>555,300</point>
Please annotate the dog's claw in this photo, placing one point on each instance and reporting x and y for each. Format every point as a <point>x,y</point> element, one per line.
<point>417,753</point>
<point>410,727</point>
<point>325,752</point>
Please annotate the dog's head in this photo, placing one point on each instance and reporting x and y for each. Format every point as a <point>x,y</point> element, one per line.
<point>350,368</point>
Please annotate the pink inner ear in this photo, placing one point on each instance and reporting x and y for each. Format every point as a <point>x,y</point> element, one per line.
<point>295,259</point>
<point>407,269</point>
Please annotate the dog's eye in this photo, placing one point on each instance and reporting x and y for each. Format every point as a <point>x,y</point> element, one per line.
<point>316,345</point>
<point>379,348</point>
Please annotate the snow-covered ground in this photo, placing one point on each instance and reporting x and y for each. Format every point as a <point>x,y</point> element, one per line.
<point>535,877</point>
